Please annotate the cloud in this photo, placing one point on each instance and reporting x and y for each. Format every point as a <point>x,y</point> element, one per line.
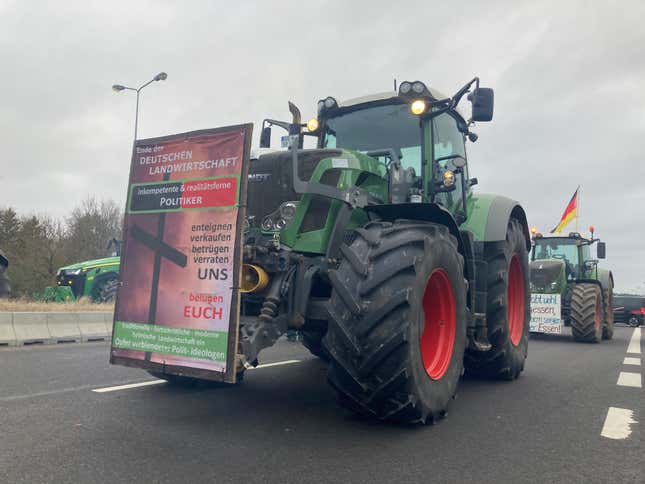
<point>567,79</point>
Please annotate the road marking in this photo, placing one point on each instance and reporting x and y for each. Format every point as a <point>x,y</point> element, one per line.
<point>627,379</point>
<point>127,387</point>
<point>159,381</point>
<point>277,363</point>
<point>618,423</point>
<point>632,361</point>
<point>635,342</point>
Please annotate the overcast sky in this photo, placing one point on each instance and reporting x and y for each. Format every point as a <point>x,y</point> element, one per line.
<point>569,80</point>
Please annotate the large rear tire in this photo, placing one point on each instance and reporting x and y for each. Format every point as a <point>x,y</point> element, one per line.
<point>105,291</point>
<point>508,308</point>
<point>586,313</point>
<point>397,325</point>
<point>608,323</point>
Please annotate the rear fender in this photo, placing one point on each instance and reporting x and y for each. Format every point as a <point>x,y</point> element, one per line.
<point>606,278</point>
<point>488,217</point>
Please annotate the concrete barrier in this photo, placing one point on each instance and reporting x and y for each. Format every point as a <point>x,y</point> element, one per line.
<point>109,322</point>
<point>31,328</point>
<point>92,326</point>
<point>7,333</point>
<point>63,327</point>
<point>18,328</point>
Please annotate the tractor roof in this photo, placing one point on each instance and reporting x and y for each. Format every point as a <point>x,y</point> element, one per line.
<point>382,96</point>
<point>88,264</point>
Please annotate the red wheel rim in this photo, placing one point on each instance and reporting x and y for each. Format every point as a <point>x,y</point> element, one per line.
<point>596,317</point>
<point>515,300</point>
<point>440,325</point>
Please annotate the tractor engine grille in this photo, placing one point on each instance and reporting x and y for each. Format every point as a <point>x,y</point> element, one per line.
<point>76,282</point>
<point>544,272</point>
<point>271,181</point>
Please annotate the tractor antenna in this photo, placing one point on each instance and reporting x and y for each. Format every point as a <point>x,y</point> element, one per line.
<point>395,84</point>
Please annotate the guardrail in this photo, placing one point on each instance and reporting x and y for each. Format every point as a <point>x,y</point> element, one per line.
<point>23,328</point>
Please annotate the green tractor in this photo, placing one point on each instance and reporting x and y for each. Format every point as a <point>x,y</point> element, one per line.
<point>5,289</point>
<point>569,289</point>
<point>94,279</point>
<point>376,248</point>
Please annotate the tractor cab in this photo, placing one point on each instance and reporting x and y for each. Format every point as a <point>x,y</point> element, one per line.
<point>399,147</point>
<point>560,259</point>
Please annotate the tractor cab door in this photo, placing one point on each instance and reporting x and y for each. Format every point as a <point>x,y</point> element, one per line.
<point>448,152</point>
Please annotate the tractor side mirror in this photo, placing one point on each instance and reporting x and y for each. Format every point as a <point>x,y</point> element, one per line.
<point>601,250</point>
<point>482,100</point>
<point>265,137</point>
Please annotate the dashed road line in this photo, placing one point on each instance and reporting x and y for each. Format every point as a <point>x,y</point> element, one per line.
<point>618,423</point>
<point>159,381</point>
<point>628,379</point>
<point>632,361</point>
<point>277,363</point>
<point>127,387</point>
<point>635,342</point>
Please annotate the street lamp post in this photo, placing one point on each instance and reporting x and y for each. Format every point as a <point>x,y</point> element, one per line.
<point>162,76</point>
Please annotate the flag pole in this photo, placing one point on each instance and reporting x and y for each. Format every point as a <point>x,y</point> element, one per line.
<point>578,208</point>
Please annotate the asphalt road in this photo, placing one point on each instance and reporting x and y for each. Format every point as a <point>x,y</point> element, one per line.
<point>283,424</point>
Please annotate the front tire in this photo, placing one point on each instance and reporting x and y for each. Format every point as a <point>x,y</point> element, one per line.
<point>508,308</point>
<point>586,313</point>
<point>397,326</point>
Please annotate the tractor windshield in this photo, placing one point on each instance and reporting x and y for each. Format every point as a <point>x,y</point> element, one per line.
<point>375,128</point>
<point>562,249</point>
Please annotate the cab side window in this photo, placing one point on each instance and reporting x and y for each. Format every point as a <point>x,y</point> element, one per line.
<point>447,140</point>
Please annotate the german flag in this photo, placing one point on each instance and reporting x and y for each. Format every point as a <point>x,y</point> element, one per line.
<point>569,213</point>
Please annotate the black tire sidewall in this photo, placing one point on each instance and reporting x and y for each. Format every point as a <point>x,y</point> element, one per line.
<point>517,246</point>
<point>434,394</point>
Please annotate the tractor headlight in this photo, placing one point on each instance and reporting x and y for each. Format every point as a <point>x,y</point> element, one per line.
<point>448,178</point>
<point>312,125</point>
<point>418,107</point>
<point>330,102</point>
<point>288,210</point>
<point>267,224</point>
<point>418,87</point>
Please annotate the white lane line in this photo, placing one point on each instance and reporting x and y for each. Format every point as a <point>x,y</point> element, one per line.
<point>127,387</point>
<point>158,381</point>
<point>277,363</point>
<point>618,423</point>
<point>627,379</point>
<point>635,342</point>
<point>632,361</point>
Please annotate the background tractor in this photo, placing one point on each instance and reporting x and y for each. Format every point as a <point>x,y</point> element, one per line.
<point>4,280</point>
<point>563,265</point>
<point>95,279</point>
<point>375,246</point>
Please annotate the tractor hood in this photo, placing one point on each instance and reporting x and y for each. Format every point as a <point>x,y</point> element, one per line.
<point>547,275</point>
<point>271,180</point>
<point>89,264</point>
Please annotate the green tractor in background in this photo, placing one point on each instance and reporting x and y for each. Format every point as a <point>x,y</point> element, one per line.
<point>96,279</point>
<point>375,246</point>
<point>564,275</point>
<point>5,289</point>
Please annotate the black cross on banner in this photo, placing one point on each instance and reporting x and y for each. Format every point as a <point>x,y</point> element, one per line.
<point>161,250</point>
